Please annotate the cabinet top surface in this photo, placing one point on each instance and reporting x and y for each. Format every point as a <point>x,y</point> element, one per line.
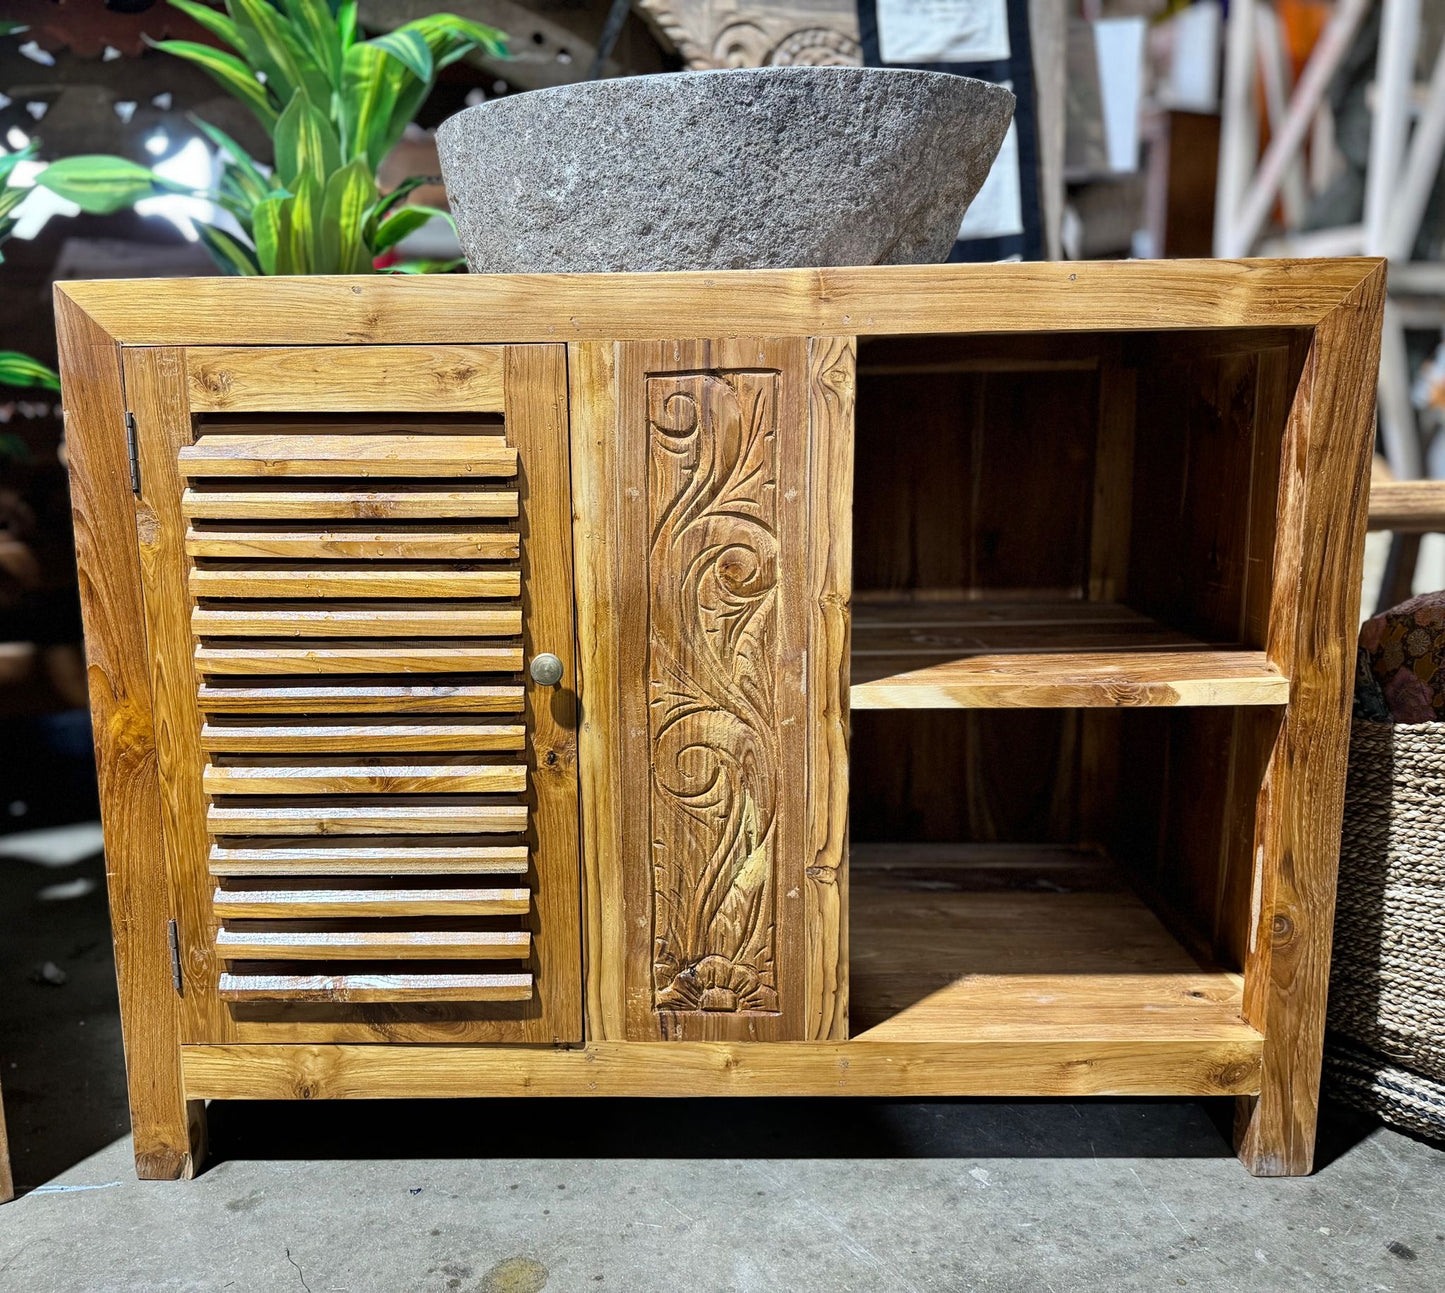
<point>1086,296</point>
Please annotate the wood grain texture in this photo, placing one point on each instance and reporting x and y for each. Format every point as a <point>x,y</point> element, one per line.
<point>1407,506</point>
<point>108,569</point>
<point>370,989</point>
<point>456,309</point>
<point>945,945</point>
<point>156,386</point>
<point>1113,482</point>
<point>536,389</point>
<point>428,543</point>
<point>832,377</point>
<point>1172,1066</point>
<point>400,817</point>
<point>329,454</point>
<point>376,856</point>
<point>1323,512</point>
<point>7,1177</point>
<point>337,619</point>
<point>393,379</point>
<point>283,659</point>
<point>1028,654</point>
<point>368,944</point>
<point>346,579</point>
<point>396,503</point>
<point>364,778</point>
<point>596,416</point>
<point>456,735</point>
<point>712,460</point>
<point>449,697</point>
<point>305,901</point>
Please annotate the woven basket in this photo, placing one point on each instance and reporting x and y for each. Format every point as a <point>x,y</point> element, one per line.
<point>1386,1045</point>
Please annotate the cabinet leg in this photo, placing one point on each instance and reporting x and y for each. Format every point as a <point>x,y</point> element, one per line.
<point>172,1151</point>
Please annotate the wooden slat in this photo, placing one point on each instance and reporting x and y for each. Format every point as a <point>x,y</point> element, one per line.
<point>372,819</point>
<point>1109,679</point>
<point>941,654</point>
<point>316,738</point>
<point>262,658</point>
<point>1407,506</point>
<point>479,456</point>
<point>368,945</point>
<point>339,698</point>
<point>362,988</point>
<point>393,503</point>
<point>1062,296</point>
<point>460,543</point>
<point>262,857</point>
<point>263,619</point>
<point>354,581</point>
<point>314,903</point>
<point>361,779</point>
<point>907,1070</point>
<point>299,378</point>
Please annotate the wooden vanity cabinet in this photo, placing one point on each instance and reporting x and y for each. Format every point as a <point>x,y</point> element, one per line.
<point>474,663</point>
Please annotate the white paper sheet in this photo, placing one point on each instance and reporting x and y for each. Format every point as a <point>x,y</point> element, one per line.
<point>997,211</point>
<point>942,31</point>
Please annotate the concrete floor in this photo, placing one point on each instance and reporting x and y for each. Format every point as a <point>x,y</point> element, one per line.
<point>769,1195</point>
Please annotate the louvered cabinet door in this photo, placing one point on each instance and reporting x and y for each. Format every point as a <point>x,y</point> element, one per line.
<point>350,558</point>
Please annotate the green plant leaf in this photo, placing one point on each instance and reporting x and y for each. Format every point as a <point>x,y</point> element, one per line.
<point>379,209</point>
<point>410,49</point>
<point>8,28</point>
<point>349,193</point>
<point>317,30</point>
<point>229,254</point>
<point>10,199</point>
<point>347,26</point>
<point>274,48</point>
<point>231,72</point>
<point>215,23</point>
<point>271,232</point>
<point>102,185</point>
<point>305,141</point>
<point>403,224</point>
<point>306,205</point>
<point>370,81</point>
<point>26,373</point>
<point>425,266</point>
<point>451,37</point>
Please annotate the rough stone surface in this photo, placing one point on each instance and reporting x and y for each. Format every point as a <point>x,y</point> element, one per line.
<point>740,169</point>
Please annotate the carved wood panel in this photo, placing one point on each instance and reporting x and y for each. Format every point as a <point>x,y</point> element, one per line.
<point>724,33</point>
<point>715,625</point>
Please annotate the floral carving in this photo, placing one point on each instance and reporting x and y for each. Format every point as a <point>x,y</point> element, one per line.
<point>712,668</point>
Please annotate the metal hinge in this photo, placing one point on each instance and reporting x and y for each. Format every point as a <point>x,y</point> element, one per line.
<point>133,451</point>
<point>174,936</point>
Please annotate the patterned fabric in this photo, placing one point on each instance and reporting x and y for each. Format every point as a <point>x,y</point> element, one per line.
<point>1405,649</point>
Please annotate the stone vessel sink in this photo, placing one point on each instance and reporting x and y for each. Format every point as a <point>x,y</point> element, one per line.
<point>738,169</point>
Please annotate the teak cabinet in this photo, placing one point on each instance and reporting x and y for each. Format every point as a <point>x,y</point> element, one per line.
<point>899,681</point>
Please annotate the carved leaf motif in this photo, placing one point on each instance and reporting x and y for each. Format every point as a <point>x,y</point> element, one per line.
<point>712,669</point>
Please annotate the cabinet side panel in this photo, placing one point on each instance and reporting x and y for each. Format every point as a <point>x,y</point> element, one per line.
<point>1313,619</point>
<point>832,366</point>
<point>120,705</point>
<point>592,380</point>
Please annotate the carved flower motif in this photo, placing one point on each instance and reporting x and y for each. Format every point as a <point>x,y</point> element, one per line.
<point>714,983</point>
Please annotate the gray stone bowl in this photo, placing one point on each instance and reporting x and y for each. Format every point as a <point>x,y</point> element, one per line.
<point>740,169</point>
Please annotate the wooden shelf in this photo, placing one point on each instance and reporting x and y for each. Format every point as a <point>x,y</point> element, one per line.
<point>955,654</point>
<point>1023,944</point>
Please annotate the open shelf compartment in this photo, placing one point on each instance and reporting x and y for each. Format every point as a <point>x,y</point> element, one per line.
<point>1063,697</point>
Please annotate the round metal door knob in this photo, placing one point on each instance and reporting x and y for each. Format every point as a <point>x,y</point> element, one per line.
<point>546,669</point>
